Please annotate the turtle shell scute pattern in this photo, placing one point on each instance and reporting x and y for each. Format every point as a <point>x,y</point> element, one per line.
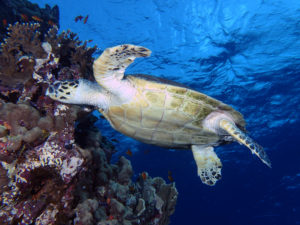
<point>166,115</point>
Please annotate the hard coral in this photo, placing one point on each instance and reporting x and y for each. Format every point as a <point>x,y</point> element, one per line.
<point>41,166</point>
<point>119,200</point>
<point>25,125</point>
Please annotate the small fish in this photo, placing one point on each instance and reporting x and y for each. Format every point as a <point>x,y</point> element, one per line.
<point>144,175</point>
<point>36,18</point>
<point>85,19</point>
<point>129,152</point>
<point>115,140</point>
<point>170,177</point>
<point>89,41</point>
<point>24,17</point>
<point>108,201</point>
<point>3,145</point>
<point>77,18</point>
<point>4,22</point>
<point>51,23</point>
<point>131,188</point>
<point>111,217</point>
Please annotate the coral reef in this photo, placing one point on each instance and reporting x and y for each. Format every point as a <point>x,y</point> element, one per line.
<point>12,11</point>
<point>107,194</point>
<point>72,52</point>
<point>39,157</point>
<point>24,44</point>
<point>54,164</point>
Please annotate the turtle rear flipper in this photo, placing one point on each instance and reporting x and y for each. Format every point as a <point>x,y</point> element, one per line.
<point>113,62</point>
<point>208,163</point>
<point>242,138</point>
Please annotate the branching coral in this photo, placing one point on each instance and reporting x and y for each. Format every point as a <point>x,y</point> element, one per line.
<point>18,52</point>
<point>12,11</point>
<point>71,51</point>
<point>23,46</point>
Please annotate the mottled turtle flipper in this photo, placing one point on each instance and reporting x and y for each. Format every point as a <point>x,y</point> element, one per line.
<point>110,66</point>
<point>208,163</point>
<point>242,138</point>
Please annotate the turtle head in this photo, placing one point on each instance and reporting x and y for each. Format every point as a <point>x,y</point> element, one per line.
<point>63,91</point>
<point>78,92</point>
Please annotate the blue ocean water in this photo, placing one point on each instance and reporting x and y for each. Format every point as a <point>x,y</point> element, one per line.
<point>245,53</point>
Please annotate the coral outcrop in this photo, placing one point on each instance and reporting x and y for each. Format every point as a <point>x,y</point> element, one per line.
<point>54,164</point>
<point>12,11</point>
<point>39,158</point>
<point>107,194</point>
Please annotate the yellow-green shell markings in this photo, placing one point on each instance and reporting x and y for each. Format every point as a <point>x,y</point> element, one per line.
<point>165,114</point>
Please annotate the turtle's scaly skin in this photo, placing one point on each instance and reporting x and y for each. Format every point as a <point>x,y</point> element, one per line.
<point>167,115</point>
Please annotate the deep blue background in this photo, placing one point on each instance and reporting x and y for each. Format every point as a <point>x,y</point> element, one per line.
<point>245,53</point>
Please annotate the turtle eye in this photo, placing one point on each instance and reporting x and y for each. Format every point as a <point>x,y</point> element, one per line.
<point>50,90</point>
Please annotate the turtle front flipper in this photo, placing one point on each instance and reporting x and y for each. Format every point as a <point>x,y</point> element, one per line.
<point>208,163</point>
<point>242,138</point>
<point>110,66</point>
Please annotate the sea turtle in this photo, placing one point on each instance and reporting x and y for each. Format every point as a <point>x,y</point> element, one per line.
<point>158,111</point>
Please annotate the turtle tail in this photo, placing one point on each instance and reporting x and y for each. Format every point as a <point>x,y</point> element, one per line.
<point>242,138</point>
